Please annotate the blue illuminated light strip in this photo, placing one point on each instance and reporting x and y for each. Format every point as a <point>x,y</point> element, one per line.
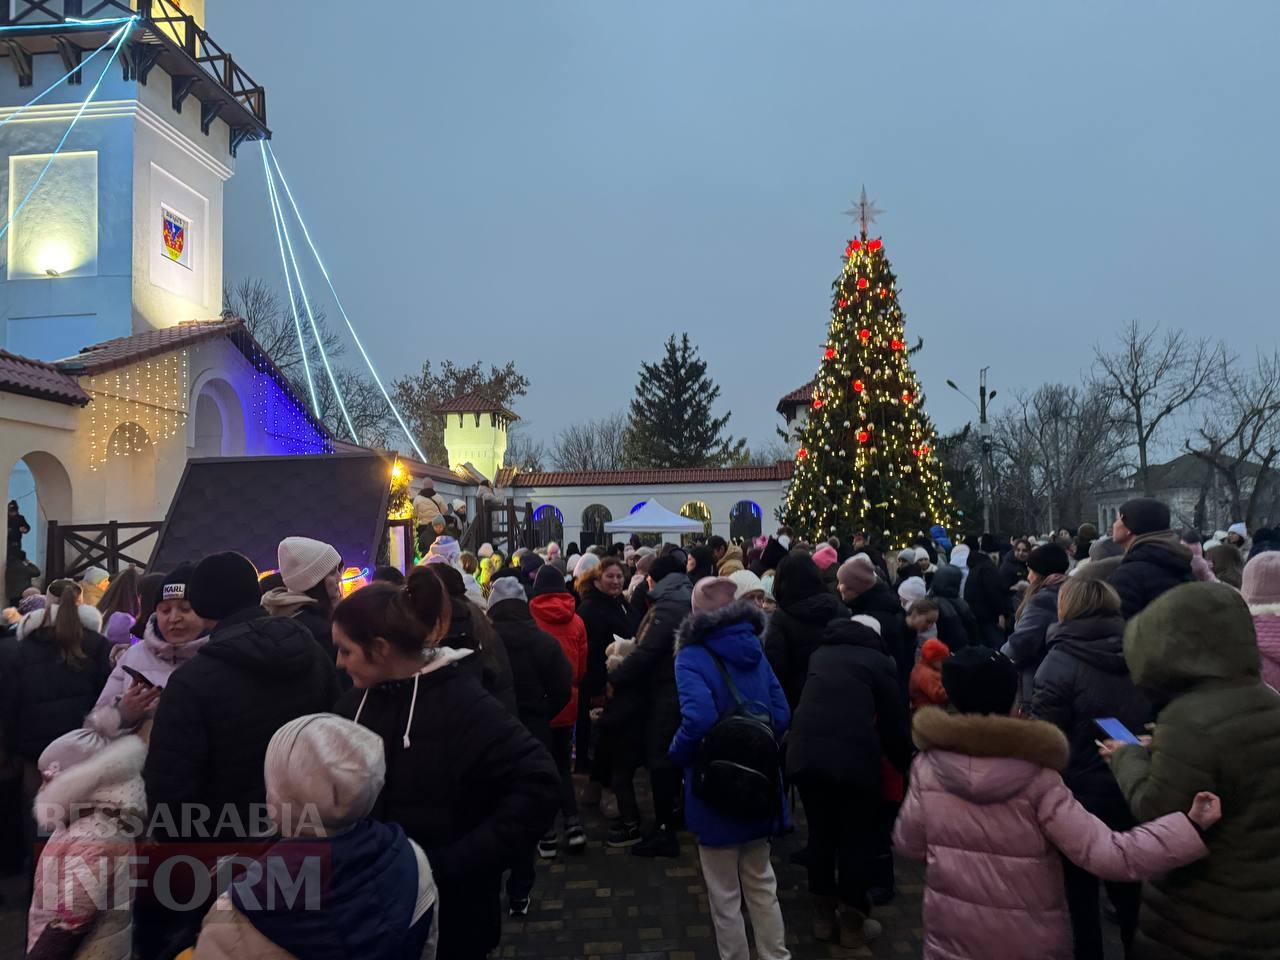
<point>306,303</point>
<point>53,86</point>
<point>288,279</point>
<point>122,33</point>
<point>356,337</point>
<point>69,22</point>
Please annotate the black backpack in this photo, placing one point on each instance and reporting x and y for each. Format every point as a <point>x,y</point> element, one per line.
<point>738,772</point>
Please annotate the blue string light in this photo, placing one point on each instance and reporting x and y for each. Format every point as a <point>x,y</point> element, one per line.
<point>354,336</point>
<point>306,303</point>
<point>53,86</point>
<point>122,33</point>
<point>70,21</point>
<point>284,264</point>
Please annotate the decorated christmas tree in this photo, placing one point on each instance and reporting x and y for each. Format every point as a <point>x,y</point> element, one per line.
<point>867,460</point>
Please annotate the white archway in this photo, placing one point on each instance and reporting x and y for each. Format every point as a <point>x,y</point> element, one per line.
<point>130,474</point>
<point>42,487</point>
<point>216,426</point>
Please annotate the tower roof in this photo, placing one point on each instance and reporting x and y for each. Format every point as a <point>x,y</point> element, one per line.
<point>799,397</point>
<point>477,401</point>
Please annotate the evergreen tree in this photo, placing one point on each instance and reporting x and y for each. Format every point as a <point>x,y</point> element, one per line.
<point>867,460</point>
<point>671,420</point>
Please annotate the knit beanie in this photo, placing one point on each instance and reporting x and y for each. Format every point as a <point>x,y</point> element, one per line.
<point>1144,515</point>
<point>31,604</point>
<point>175,585</point>
<point>1239,529</point>
<point>485,551</point>
<point>327,766</point>
<point>586,564</point>
<point>1049,559</point>
<point>529,564</point>
<point>548,580</point>
<point>571,565</point>
<point>95,577</point>
<point>868,621</point>
<point>117,628</point>
<point>223,584</point>
<point>1260,583</point>
<point>305,562</point>
<point>910,590</point>
<point>712,593</point>
<point>934,651</point>
<point>960,556</point>
<point>857,574</point>
<point>665,566</point>
<point>825,556</point>
<point>446,548</point>
<point>907,556</point>
<point>921,554</point>
<point>506,588</point>
<point>980,680</point>
<point>745,582</point>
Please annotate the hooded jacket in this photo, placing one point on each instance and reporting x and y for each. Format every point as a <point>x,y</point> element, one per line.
<point>106,796</point>
<point>851,712</point>
<point>957,627</point>
<point>280,602</point>
<point>41,696</point>
<point>986,595</point>
<point>604,618</point>
<point>1193,651</point>
<point>1154,563</point>
<point>541,674</point>
<point>731,562</point>
<point>153,657</point>
<point>1084,677</point>
<point>219,711</point>
<point>469,629</point>
<point>805,607</point>
<point>555,614</point>
<point>989,813</point>
<point>731,633</point>
<point>468,783</point>
<point>650,669</point>
<point>926,676</point>
<point>896,638</point>
<point>1026,644</point>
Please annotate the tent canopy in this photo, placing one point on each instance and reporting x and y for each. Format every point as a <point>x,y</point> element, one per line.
<point>653,517</point>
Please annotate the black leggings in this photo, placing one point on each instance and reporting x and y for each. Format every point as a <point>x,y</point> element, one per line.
<point>843,825</point>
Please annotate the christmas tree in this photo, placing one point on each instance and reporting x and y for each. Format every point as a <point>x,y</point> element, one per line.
<point>867,460</point>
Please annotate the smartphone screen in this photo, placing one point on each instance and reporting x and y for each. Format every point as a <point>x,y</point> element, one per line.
<point>1115,730</point>
<point>137,676</point>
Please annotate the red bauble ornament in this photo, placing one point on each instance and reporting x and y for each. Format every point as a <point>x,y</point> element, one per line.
<point>863,436</point>
<point>906,398</point>
<point>864,334</point>
<point>802,453</point>
<point>855,244</point>
<point>884,292</point>
<point>862,283</point>
<point>858,386</point>
<point>830,353</point>
<point>843,303</point>
<point>817,402</point>
<point>874,244</point>
<point>896,344</point>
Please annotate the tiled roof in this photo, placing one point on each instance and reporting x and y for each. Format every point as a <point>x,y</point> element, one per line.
<point>505,476</point>
<point>475,402</point>
<point>123,351</point>
<point>781,470</point>
<point>33,378</point>
<point>797,397</point>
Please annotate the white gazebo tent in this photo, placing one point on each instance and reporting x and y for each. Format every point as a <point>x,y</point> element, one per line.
<point>653,517</point>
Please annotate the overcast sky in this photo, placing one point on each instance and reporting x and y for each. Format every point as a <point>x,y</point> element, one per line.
<point>564,184</point>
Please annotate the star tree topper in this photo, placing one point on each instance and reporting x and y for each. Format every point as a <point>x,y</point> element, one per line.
<point>864,211</point>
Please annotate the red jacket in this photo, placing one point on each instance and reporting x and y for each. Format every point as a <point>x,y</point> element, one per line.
<point>555,613</point>
<point>925,686</point>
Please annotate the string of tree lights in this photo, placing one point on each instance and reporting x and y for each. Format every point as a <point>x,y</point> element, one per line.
<point>867,460</point>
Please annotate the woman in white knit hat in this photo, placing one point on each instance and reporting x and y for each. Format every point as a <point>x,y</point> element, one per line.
<point>312,574</point>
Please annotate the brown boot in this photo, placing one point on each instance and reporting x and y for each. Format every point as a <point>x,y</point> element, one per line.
<point>856,928</point>
<point>824,919</point>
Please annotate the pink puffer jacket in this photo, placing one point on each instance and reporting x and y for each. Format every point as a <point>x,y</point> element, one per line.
<point>1266,624</point>
<point>989,813</point>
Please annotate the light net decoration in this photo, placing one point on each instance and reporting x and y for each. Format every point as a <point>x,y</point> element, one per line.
<point>151,395</point>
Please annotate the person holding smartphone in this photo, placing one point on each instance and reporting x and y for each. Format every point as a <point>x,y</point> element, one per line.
<point>173,635</point>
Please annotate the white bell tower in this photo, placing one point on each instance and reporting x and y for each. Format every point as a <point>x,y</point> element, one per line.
<point>122,232</point>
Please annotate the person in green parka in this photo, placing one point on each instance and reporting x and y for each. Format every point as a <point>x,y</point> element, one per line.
<point>1193,652</point>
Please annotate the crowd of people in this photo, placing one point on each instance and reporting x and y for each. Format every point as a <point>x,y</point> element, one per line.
<point>433,736</point>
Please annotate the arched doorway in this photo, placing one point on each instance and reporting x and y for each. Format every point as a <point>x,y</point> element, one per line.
<point>41,486</point>
<point>696,510</point>
<point>745,520</point>
<point>548,525</point>
<point>130,474</point>
<point>216,425</point>
<point>593,520</point>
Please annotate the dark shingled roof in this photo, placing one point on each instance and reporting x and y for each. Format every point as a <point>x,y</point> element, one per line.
<point>34,378</point>
<point>781,470</point>
<point>475,402</point>
<point>799,397</point>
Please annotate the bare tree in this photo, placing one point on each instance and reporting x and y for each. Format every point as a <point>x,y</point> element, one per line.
<point>1240,435</point>
<point>592,444</point>
<point>370,415</point>
<point>269,320</point>
<point>1151,377</point>
<point>524,453</point>
<point>767,454</point>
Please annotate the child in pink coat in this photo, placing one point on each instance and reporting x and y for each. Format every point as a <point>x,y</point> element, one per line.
<point>1260,586</point>
<point>988,811</point>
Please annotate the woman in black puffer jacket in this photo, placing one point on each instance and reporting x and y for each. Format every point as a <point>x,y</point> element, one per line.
<point>605,614</point>
<point>805,607</point>
<point>464,777</point>
<point>1084,676</point>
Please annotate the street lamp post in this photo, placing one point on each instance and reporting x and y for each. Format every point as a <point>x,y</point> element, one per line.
<point>984,432</point>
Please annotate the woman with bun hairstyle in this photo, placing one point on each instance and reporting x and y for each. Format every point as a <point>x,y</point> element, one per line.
<point>464,777</point>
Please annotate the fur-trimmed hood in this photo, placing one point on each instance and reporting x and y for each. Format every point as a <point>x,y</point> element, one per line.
<point>696,627</point>
<point>111,778</point>
<point>90,619</point>
<point>984,758</point>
